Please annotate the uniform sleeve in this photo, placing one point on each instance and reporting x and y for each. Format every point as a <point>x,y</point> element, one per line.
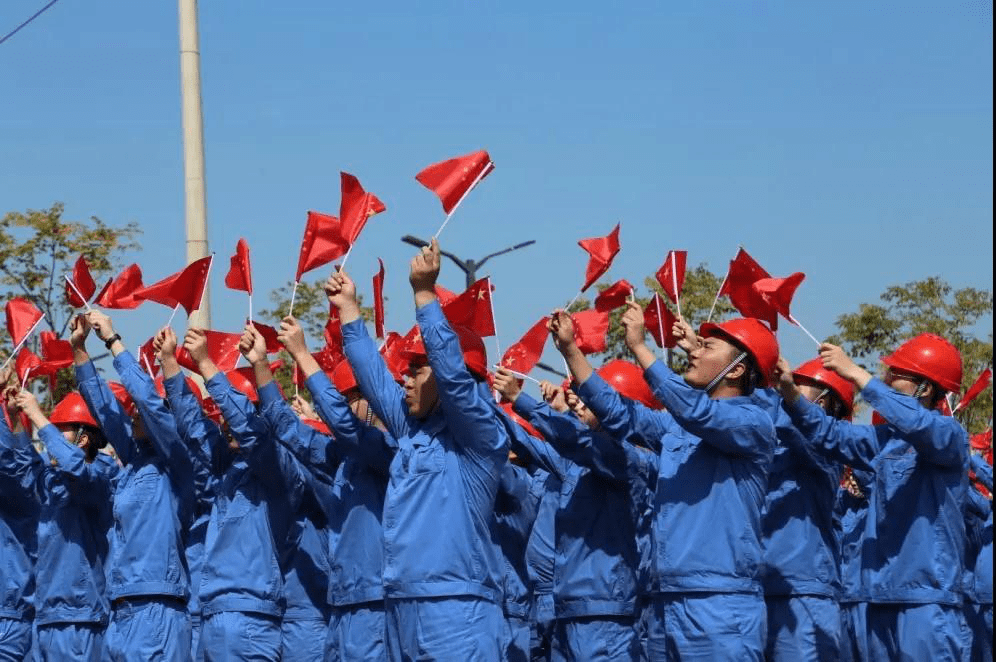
<point>841,441</point>
<point>516,487</point>
<point>731,428</point>
<point>937,438</point>
<point>471,417</point>
<point>106,410</point>
<point>533,451</point>
<point>624,419</point>
<point>374,379</point>
<point>21,464</point>
<point>85,480</point>
<point>353,437</point>
<point>983,470</point>
<point>161,428</point>
<point>282,425</point>
<point>200,434</point>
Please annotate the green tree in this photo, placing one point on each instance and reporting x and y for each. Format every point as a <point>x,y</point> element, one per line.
<point>38,247</point>
<point>926,306</point>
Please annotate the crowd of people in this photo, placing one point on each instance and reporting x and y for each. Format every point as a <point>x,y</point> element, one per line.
<point>730,513</point>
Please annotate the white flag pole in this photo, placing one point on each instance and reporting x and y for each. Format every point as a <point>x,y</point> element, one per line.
<point>674,284</point>
<point>804,330</point>
<point>78,293</point>
<point>23,340</point>
<point>484,172</point>
<point>290,313</point>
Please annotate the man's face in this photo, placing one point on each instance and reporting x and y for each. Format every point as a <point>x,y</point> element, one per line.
<point>902,382</point>
<point>420,389</point>
<point>706,361</point>
<point>815,394</point>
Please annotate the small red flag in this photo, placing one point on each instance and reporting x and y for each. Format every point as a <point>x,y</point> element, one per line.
<point>778,292</point>
<point>83,281</point>
<point>147,357</point>
<point>321,243</point>
<point>223,348</point>
<point>659,320</point>
<point>184,288</point>
<point>239,276</point>
<point>472,309</point>
<point>453,179</point>
<point>671,275</point>
<point>355,207</point>
<point>601,251</point>
<point>613,296</point>
<point>590,327</point>
<point>393,358</point>
<point>378,290</point>
<point>980,385</point>
<point>743,273</point>
<point>523,355</point>
<point>982,441</point>
<point>119,293</point>
<point>444,295</point>
<point>22,316</point>
<point>333,331</point>
<point>57,354</point>
<point>269,337</point>
<point>26,362</point>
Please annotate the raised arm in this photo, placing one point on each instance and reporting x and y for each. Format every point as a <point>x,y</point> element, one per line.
<point>623,419</point>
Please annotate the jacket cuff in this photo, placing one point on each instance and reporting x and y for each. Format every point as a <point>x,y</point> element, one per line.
<point>431,313</point>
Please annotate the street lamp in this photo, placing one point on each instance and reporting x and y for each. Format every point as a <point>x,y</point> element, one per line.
<point>469,267</point>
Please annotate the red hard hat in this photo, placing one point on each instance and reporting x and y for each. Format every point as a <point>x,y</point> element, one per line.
<point>523,423</point>
<point>124,399</point>
<point>475,356</point>
<point>627,379</point>
<point>815,372</point>
<point>243,384</point>
<point>343,377</point>
<point>318,426</point>
<point>72,410</point>
<point>931,357</point>
<point>754,337</point>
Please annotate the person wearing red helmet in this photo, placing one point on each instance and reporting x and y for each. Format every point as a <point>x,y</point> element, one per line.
<point>715,445</point>
<point>801,563</point>
<point>442,568</point>
<point>359,457</point>
<point>71,483</point>
<point>914,537</point>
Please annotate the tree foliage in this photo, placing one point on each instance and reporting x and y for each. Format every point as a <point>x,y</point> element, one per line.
<point>926,306</point>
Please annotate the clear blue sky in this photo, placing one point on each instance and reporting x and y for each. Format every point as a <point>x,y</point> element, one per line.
<point>846,140</point>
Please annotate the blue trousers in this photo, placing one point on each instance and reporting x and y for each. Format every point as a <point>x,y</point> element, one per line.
<point>595,639</point>
<point>980,625</point>
<point>195,637</point>
<point>235,635</point>
<point>711,627</point>
<point>916,632</point>
<point>854,632</point>
<point>802,628</point>
<point>80,642</point>
<point>15,639</point>
<point>541,637</point>
<point>518,634</point>
<point>356,633</point>
<point>468,629</point>
<point>302,640</point>
<point>148,630</point>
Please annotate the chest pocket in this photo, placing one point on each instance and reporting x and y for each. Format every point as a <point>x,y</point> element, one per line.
<point>139,487</point>
<point>425,459</point>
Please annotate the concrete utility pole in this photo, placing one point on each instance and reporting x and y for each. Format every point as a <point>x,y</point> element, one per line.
<point>193,148</point>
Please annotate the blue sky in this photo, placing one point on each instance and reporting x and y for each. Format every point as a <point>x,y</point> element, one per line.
<point>848,141</point>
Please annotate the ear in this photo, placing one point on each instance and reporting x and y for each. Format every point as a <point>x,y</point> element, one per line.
<point>736,373</point>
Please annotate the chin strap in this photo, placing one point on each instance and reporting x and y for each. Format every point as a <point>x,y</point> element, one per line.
<point>920,388</point>
<point>724,372</point>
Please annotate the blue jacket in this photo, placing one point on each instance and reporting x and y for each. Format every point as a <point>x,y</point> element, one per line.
<point>304,554</point>
<point>515,511</point>
<point>541,545</point>
<point>850,515</point>
<point>73,522</point>
<point>979,526</point>
<point>18,529</point>
<point>241,569</point>
<point>439,506</point>
<point>801,547</point>
<point>153,495</point>
<point>360,457</point>
<point>712,478</point>
<point>914,536</point>
<point>596,557</point>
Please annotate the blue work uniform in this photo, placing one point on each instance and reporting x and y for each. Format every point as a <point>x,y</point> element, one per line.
<point>914,536</point>
<point>596,557</point>
<point>71,606</point>
<point>18,545</point>
<point>540,562</point>
<point>850,514</point>
<point>241,591</point>
<point>304,554</point>
<point>979,564</point>
<point>442,567</point>
<point>147,580</point>
<point>711,482</point>
<point>360,456</point>
<point>515,511</point>
<point>801,573</point>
